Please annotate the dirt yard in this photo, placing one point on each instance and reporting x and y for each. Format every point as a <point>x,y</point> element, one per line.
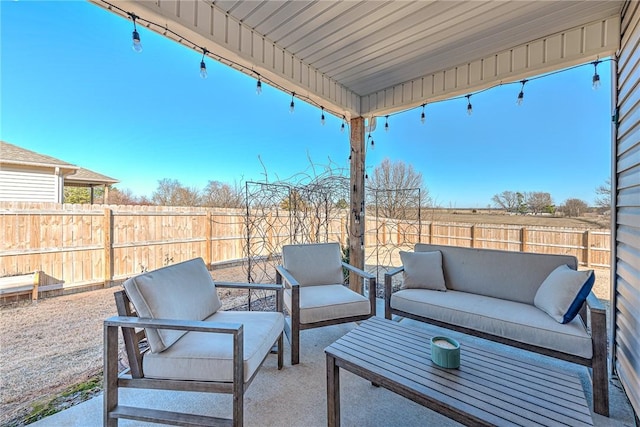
<point>49,346</point>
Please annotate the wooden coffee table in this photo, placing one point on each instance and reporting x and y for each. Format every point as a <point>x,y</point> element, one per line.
<point>489,388</point>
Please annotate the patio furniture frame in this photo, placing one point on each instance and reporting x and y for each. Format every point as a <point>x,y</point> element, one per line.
<point>133,377</point>
<point>292,330</point>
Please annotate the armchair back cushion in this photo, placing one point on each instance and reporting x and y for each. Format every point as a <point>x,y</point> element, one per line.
<point>185,291</point>
<point>314,264</point>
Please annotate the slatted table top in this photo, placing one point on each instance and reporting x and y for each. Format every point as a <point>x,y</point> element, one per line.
<point>489,388</point>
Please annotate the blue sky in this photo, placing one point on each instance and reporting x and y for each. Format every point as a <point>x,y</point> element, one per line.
<point>72,88</point>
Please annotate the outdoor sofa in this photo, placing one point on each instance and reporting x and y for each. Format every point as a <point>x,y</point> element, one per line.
<point>515,298</point>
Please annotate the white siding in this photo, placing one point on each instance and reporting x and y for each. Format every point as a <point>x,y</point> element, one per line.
<point>28,185</point>
<point>627,201</point>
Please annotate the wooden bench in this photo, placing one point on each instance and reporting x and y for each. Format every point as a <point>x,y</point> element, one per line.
<point>21,284</point>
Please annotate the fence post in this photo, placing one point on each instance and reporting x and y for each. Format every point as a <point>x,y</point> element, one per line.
<point>473,236</point>
<point>524,234</point>
<point>586,241</point>
<point>108,247</point>
<point>208,244</point>
<point>431,233</point>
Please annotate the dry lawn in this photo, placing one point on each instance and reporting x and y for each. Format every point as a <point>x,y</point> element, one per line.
<point>49,346</point>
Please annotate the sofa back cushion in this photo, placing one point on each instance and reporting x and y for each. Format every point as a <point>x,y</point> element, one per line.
<point>314,264</point>
<point>183,291</point>
<point>422,270</point>
<point>514,276</point>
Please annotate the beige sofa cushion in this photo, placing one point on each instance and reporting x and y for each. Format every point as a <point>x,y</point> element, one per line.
<point>183,291</point>
<point>515,321</point>
<point>423,270</point>
<point>314,264</point>
<point>513,276</point>
<point>206,356</point>
<point>318,303</point>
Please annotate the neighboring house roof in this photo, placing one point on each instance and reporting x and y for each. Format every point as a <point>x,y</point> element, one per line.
<point>13,155</point>
<point>84,176</point>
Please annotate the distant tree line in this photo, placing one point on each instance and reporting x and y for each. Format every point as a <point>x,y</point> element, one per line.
<point>538,202</point>
<point>170,192</point>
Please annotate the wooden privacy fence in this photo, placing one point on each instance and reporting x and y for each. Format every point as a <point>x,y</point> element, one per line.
<point>590,247</point>
<point>83,245</point>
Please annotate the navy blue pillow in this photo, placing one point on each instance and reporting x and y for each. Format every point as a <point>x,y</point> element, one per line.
<point>575,306</point>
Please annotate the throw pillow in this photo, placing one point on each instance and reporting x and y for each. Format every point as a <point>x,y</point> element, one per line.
<point>423,270</point>
<point>563,292</point>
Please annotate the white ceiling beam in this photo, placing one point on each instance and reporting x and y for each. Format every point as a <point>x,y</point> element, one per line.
<point>571,47</point>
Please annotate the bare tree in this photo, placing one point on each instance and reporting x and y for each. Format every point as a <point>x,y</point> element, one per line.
<point>539,202</point>
<point>391,181</point>
<point>574,207</point>
<point>603,195</point>
<point>222,195</point>
<point>126,197</point>
<point>171,193</point>
<point>507,200</point>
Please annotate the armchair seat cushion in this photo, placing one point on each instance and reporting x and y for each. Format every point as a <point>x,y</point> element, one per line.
<point>328,302</point>
<point>191,356</point>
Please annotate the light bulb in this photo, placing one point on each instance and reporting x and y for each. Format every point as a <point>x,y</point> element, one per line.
<point>292,107</point>
<point>386,124</point>
<point>520,98</point>
<point>322,120</point>
<point>342,128</point>
<point>469,107</point>
<point>596,81</point>
<point>259,87</point>
<point>423,118</point>
<point>203,69</point>
<point>137,46</point>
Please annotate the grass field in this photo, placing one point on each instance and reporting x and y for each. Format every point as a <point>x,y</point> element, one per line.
<point>497,217</point>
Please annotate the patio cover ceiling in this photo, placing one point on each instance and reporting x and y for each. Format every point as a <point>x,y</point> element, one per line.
<point>370,58</point>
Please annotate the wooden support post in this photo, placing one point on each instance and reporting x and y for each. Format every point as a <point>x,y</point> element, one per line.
<point>586,242</point>
<point>356,186</point>
<point>108,247</point>
<point>473,236</point>
<point>523,239</point>
<point>208,231</point>
<point>37,279</point>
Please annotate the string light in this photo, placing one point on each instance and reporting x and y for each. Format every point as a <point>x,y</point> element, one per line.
<point>136,46</point>
<point>595,82</point>
<point>520,99</point>
<point>373,144</point>
<point>203,66</point>
<point>386,123</point>
<point>322,120</point>
<point>344,120</point>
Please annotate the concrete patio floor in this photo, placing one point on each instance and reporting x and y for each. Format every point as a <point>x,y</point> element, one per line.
<point>296,395</point>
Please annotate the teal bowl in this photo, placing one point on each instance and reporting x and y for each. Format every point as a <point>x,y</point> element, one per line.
<point>445,352</point>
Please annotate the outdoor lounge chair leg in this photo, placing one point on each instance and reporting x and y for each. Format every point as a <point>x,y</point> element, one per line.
<point>280,351</point>
<point>599,370</point>
<point>110,401</point>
